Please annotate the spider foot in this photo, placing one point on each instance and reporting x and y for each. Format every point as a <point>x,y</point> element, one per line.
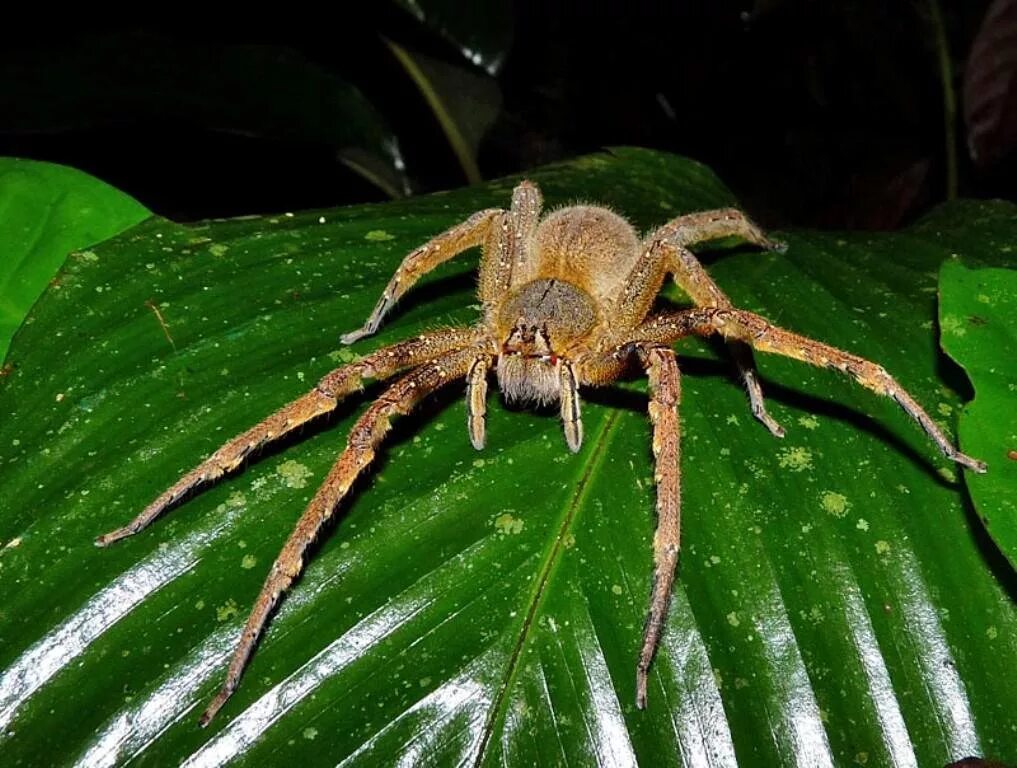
<point>778,246</point>
<point>975,465</point>
<point>357,335</point>
<point>113,536</point>
<point>769,422</point>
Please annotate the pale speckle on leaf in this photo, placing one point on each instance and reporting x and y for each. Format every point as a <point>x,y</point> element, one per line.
<point>294,474</point>
<point>506,524</point>
<point>809,422</point>
<point>795,458</point>
<point>835,504</point>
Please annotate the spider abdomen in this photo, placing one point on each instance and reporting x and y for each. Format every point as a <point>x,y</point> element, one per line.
<point>591,246</point>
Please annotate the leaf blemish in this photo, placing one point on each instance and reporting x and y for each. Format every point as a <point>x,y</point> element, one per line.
<point>795,458</point>
<point>835,504</point>
<point>506,524</point>
<point>293,473</point>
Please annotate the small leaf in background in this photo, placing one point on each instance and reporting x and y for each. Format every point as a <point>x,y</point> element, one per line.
<point>47,211</point>
<point>990,86</point>
<point>835,604</point>
<point>480,30</point>
<point>978,329</point>
<point>465,103</point>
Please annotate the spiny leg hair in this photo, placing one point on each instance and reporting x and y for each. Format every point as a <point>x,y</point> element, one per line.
<point>662,370</point>
<point>362,443</point>
<point>666,251</point>
<point>419,262</point>
<point>693,278</point>
<point>765,337</point>
<point>324,398</point>
<point>661,366</point>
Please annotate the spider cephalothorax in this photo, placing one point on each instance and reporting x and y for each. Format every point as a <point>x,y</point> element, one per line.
<point>566,304</point>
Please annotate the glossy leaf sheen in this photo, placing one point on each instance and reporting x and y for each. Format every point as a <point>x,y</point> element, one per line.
<point>978,322</point>
<point>836,602</point>
<point>47,211</point>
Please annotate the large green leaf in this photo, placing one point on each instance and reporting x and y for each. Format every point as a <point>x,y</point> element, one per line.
<point>46,211</point>
<point>978,322</point>
<point>837,602</point>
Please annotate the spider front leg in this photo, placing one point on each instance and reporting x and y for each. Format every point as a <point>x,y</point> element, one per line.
<point>474,231</point>
<point>363,441</point>
<point>757,331</point>
<point>504,235</point>
<point>666,252</point>
<point>665,396</point>
<point>323,399</point>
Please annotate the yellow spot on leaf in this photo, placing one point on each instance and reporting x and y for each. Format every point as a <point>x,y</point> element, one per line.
<point>506,524</point>
<point>344,355</point>
<point>953,325</point>
<point>227,611</point>
<point>795,458</point>
<point>835,504</point>
<point>293,473</point>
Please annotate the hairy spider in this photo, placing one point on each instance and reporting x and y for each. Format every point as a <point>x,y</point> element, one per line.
<point>566,301</point>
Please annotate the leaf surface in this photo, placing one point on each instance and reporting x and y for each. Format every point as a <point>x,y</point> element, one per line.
<point>836,602</point>
<point>47,211</point>
<point>977,311</point>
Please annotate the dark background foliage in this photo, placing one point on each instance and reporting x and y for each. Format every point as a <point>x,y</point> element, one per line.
<point>815,113</point>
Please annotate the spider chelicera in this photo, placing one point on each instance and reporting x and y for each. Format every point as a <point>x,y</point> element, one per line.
<point>566,304</point>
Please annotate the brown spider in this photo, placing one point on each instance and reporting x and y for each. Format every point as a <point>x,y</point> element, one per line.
<point>566,300</point>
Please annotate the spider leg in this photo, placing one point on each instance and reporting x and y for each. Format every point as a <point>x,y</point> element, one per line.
<point>474,231</point>
<point>711,225</point>
<point>507,259</point>
<point>323,399</point>
<point>666,251</point>
<point>571,417</point>
<point>665,395</point>
<point>362,443</point>
<point>757,331</point>
<point>476,402</point>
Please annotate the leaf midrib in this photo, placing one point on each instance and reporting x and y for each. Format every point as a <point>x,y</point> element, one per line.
<point>536,597</point>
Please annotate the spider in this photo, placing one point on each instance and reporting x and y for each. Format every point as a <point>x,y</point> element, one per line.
<point>566,303</point>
